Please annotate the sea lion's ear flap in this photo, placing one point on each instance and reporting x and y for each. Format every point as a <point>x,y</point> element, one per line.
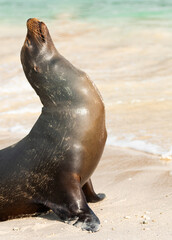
<point>36,69</point>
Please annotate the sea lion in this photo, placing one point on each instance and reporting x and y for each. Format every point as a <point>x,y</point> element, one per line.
<point>51,167</point>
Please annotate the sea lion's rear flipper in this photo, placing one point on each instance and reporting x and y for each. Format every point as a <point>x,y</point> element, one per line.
<point>71,205</point>
<point>90,195</point>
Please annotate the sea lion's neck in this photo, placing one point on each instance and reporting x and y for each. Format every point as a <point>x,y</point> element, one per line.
<point>56,97</point>
<point>56,108</point>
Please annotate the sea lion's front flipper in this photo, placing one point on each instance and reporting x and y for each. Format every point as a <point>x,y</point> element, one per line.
<point>71,205</point>
<point>90,194</point>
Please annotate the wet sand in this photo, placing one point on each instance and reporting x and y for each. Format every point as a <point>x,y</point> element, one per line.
<point>132,68</point>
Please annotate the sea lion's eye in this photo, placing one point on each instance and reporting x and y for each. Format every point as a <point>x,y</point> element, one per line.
<point>43,38</point>
<point>41,32</point>
<point>28,42</point>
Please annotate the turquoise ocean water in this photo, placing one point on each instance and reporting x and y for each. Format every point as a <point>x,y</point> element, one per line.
<point>101,11</point>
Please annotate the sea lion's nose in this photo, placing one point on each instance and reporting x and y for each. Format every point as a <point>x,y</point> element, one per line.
<point>31,22</point>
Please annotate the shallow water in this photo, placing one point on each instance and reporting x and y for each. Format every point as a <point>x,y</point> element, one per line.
<point>101,11</point>
<point>129,60</point>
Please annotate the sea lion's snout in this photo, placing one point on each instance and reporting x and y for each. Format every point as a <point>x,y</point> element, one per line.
<point>36,28</point>
<point>32,23</point>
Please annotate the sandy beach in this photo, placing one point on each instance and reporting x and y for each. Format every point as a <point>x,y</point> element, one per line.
<point>137,206</point>
<point>131,68</point>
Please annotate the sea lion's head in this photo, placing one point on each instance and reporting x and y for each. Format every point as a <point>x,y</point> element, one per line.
<point>38,44</point>
<point>38,56</point>
<point>37,33</point>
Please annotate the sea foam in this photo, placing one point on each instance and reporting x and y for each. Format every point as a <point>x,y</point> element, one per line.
<point>139,145</point>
